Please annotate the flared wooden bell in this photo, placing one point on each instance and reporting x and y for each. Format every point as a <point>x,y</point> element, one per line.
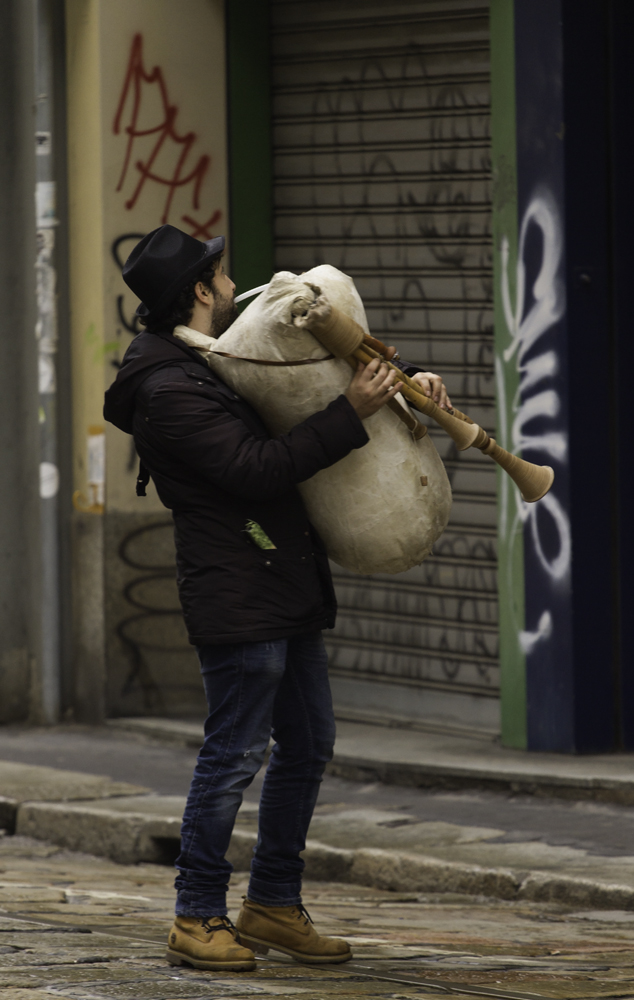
<point>533,481</point>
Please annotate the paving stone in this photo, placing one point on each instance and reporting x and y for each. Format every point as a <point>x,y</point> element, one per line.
<point>405,944</point>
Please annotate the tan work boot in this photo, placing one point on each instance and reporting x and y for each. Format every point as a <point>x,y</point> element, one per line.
<point>208,944</point>
<point>288,929</point>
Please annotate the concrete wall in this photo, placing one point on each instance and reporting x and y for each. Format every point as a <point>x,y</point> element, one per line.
<point>133,66</point>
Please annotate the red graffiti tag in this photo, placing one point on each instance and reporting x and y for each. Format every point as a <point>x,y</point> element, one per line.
<point>165,132</point>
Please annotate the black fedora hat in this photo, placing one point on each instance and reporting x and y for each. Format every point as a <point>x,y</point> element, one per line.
<point>162,263</point>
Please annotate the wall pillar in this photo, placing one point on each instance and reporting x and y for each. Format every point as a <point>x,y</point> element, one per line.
<point>20,526</point>
<point>86,253</point>
<point>146,146</point>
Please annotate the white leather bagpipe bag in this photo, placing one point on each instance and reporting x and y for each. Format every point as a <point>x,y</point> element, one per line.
<point>380,509</point>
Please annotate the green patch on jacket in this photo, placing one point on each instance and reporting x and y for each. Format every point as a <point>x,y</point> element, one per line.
<point>258,535</point>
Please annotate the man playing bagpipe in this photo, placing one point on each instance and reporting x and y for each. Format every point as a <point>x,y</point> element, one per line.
<point>256,591</point>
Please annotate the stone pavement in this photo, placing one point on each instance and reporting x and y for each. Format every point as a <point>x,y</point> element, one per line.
<point>81,927</point>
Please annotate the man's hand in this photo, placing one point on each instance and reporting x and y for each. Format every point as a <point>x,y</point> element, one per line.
<point>371,387</point>
<point>432,385</point>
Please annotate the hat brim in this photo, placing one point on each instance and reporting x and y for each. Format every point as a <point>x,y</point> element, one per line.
<point>212,248</point>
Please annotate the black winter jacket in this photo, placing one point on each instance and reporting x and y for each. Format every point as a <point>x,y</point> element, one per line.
<point>216,467</point>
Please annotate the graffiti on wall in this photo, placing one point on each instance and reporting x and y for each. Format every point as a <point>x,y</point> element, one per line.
<point>166,156</point>
<point>538,404</point>
<point>156,153</point>
<point>155,624</point>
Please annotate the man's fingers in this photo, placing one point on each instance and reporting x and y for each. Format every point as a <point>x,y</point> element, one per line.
<point>378,383</point>
<point>432,385</point>
<point>378,371</point>
<point>371,369</point>
<point>372,386</point>
<point>364,373</point>
<point>424,382</point>
<point>386,390</point>
<point>387,382</point>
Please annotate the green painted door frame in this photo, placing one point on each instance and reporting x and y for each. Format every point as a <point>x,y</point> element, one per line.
<point>510,525</point>
<point>249,142</point>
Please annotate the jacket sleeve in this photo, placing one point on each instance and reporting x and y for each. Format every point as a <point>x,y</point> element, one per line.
<point>207,437</point>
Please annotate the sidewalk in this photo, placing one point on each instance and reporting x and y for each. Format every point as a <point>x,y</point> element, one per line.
<point>443,760</point>
<point>371,838</point>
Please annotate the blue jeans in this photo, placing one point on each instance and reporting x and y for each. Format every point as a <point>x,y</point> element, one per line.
<point>255,690</point>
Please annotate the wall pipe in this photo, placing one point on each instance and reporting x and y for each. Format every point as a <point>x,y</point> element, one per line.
<point>47,340</point>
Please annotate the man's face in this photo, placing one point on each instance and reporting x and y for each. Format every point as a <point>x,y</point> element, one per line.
<point>225,309</point>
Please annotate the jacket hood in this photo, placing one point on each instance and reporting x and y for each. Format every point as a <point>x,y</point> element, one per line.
<point>146,353</point>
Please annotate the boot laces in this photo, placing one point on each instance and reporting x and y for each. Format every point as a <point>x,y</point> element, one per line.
<point>303,912</point>
<point>226,925</point>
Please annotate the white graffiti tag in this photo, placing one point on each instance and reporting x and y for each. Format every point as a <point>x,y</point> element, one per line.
<point>534,398</point>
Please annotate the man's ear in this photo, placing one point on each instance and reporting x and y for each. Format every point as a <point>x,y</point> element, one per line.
<point>203,294</point>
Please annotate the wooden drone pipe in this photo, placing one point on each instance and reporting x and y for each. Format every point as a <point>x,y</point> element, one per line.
<point>344,337</point>
<point>533,481</point>
<point>463,433</point>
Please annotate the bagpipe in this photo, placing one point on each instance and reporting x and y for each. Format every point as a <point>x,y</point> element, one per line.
<point>381,508</point>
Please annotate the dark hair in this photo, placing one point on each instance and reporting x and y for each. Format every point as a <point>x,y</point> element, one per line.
<point>180,310</point>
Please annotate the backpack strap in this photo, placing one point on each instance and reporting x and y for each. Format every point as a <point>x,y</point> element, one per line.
<point>142,480</point>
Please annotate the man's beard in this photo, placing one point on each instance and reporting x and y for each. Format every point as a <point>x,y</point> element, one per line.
<point>225,312</point>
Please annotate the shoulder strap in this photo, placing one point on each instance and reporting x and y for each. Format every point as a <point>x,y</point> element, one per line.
<point>142,480</point>
<point>275,364</point>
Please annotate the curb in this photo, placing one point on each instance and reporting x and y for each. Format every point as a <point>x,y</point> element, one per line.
<point>397,871</point>
<point>124,837</point>
<point>452,778</point>
<point>8,813</point>
<point>400,871</point>
<point>35,783</point>
<point>584,893</point>
<point>130,838</point>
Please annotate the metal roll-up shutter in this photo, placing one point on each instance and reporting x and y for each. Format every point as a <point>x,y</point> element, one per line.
<point>381,162</point>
